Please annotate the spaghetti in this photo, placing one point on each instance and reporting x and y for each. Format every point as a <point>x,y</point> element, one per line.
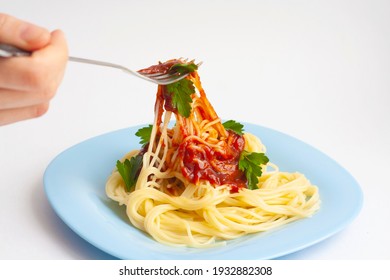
<point>195,183</point>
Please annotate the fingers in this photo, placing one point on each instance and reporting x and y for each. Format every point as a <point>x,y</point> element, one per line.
<point>22,34</point>
<point>10,99</point>
<point>18,114</point>
<point>32,80</point>
<point>27,84</point>
<point>24,73</point>
<point>55,56</point>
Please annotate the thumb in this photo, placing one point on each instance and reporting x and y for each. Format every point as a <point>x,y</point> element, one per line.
<point>22,34</point>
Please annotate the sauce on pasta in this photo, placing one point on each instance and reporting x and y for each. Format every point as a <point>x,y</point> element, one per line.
<point>199,182</point>
<point>218,166</point>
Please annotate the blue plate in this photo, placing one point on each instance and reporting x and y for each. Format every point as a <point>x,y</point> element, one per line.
<point>75,186</point>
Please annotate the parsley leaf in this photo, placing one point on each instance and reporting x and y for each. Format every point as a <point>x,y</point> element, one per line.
<point>183,68</point>
<point>181,96</point>
<point>144,133</point>
<point>129,170</point>
<point>234,126</point>
<point>250,164</point>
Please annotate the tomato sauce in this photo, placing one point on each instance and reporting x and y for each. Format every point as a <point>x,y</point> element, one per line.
<point>163,68</point>
<point>202,162</point>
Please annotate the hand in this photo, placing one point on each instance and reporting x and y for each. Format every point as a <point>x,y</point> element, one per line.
<point>27,84</point>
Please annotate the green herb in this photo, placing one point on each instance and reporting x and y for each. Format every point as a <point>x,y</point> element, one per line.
<point>144,133</point>
<point>250,164</point>
<point>182,90</point>
<point>234,126</point>
<point>183,68</point>
<point>181,96</point>
<point>129,170</point>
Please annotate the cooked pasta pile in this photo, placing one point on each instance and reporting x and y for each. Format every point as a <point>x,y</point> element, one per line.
<point>197,183</point>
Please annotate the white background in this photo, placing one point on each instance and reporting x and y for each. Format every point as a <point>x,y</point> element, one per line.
<point>317,70</point>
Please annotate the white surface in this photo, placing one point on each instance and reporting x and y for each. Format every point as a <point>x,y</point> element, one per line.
<point>317,70</point>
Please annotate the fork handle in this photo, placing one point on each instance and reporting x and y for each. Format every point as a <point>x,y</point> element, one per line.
<point>97,62</point>
<point>9,51</point>
<point>12,51</point>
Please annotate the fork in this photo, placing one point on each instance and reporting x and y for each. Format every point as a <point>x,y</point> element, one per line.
<point>157,78</point>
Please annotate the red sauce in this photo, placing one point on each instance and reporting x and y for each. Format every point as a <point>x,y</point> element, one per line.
<point>168,105</point>
<point>201,162</point>
<point>163,68</point>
